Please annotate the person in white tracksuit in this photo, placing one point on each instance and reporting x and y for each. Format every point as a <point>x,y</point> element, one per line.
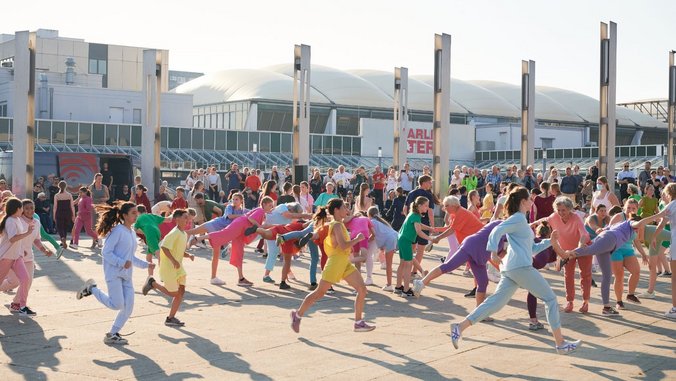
<point>118,257</point>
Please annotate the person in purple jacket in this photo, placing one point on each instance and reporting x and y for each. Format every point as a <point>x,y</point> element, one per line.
<point>472,250</point>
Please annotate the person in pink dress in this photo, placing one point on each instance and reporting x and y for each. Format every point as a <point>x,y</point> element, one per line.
<point>360,251</point>
<point>85,209</point>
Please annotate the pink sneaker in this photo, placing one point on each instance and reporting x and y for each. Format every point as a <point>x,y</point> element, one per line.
<point>361,326</point>
<point>14,308</point>
<point>295,321</point>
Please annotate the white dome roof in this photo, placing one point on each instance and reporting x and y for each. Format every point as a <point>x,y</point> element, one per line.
<point>374,88</point>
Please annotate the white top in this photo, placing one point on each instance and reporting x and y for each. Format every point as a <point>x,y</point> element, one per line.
<point>306,201</point>
<point>457,181</point>
<point>342,179</point>
<point>27,243</point>
<point>13,226</point>
<point>392,183</point>
<point>598,200</point>
<point>162,206</point>
<point>406,181</point>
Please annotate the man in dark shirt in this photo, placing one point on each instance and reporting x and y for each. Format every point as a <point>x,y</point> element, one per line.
<point>644,176</point>
<point>108,179</point>
<point>234,178</point>
<point>423,189</point>
<point>569,185</point>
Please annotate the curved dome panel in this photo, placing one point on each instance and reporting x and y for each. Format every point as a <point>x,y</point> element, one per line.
<point>342,87</point>
<point>242,84</point>
<point>420,94</point>
<point>545,107</point>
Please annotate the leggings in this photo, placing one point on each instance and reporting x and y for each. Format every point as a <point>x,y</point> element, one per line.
<point>46,237</point>
<point>540,260</point>
<point>81,220</point>
<point>298,234</point>
<point>524,277</point>
<point>120,298</point>
<point>314,260</point>
<point>20,274</point>
<point>602,246</point>
<point>462,256</point>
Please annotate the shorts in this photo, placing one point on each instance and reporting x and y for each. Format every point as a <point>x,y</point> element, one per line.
<point>216,225</point>
<point>666,244</point>
<point>172,283</point>
<point>421,241</point>
<point>390,243</point>
<point>405,250</point>
<point>665,236</point>
<point>152,239</point>
<point>620,254</point>
<point>337,268</point>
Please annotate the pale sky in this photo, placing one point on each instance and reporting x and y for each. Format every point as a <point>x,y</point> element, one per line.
<point>490,37</point>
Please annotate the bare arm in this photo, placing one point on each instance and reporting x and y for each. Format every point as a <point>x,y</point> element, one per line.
<point>421,233</point>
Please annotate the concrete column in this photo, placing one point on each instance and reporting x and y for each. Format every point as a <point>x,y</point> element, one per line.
<point>441,126</point>
<point>527,113</point>
<point>23,136</point>
<point>154,75</point>
<point>399,151</point>
<point>607,119</point>
<point>301,112</point>
<point>333,121</point>
<point>252,118</point>
<point>670,116</point>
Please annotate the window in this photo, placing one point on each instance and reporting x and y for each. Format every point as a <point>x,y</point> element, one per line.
<point>111,135</point>
<point>287,143</point>
<point>231,141</point>
<point>71,133</point>
<point>316,144</point>
<point>173,138</point>
<point>163,137</point>
<point>197,139</point>
<point>209,137</point>
<point>275,140</point>
<point>3,109</point>
<point>98,134</point>
<point>220,140</point>
<point>347,146</point>
<point>136,116</point>
<point>124,137</point>
<point>5,134</point>
<point>264,145</point>
<point>98,66</point>
<point>327,145</point>
<point>337,148</point>
<point>136,136</point>
<point>185,137</point>
<point>58,132</point>
<point>356,146</point>
<point>547,142</point>
<point>44,132</point>
<point>243,141</point>
<point>85,138</point>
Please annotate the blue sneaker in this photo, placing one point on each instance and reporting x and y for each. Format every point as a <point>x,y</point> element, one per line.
<point>268,279</point>
<point>455,335</point>
<point>568,347</point>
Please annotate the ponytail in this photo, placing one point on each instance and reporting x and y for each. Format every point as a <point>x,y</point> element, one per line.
<point>111,216</point>
<point>320,216</point>
<point>420,200</point>
<point>374,213</point>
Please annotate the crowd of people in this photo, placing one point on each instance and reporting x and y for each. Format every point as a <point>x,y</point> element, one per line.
<point>501,226</point>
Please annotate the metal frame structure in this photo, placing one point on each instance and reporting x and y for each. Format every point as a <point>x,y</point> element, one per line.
<point>400,149</point>
<point>527,113</point>
<point>608,84</point>
<point>441,123</point>
<point>301,112</point>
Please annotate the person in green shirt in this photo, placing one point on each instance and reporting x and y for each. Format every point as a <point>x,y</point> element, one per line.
<point>470,181</point>
<point>648,204</point>
<point>410,231</point>
<point>148,224</point>
<point>325,197</point>
<point>210,209</point>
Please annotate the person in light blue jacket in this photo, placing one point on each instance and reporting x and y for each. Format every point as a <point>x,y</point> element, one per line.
<point>118,258</point>
<point>518,271</point>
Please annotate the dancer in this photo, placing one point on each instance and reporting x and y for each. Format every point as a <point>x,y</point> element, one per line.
<point>472,251</point>
<point>148,224</point>
<point>338,267</point>
<point>283,214</point>
<point>172,273</point>
<point>288,247</point>
<point>409,234</point>
<point>85,208</point>
<point>517,272</point>
<point>233,210</point>
<point>118,251</point>
<point>427,218</point>
<point>14,231</point>
<point>64,212</point>
<point>386,240</point>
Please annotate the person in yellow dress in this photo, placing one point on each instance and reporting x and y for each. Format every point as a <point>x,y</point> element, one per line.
<point>172,274</point>
<point>488,203</point>
<point>338,247</point>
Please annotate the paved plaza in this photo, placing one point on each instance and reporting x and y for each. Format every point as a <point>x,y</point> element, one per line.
<point>235,333</point>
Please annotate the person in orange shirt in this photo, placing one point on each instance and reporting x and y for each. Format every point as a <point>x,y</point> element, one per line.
<point>179,202</point>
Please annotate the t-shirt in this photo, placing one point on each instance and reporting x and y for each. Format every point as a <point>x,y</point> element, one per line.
<point>331,246</point>
<point>571,232</point>
<point>378,183</point>
<point>427,194</point>
<point>324,199</point>
<point>175,242</point>
<point>253,182</point>
<point>209,209</point>
<point>147,221</point>
<point>359,225</point>
<point>465,223</point>
<point>275,217</point>
<point>28,241</point>
<point>13,226</point>
<point>179,203</point>
<point>406,180</point>
<point>342,179</point>
<point>544,205</point>
<point>408,228</point>
<point>162,206</point>
<point>285,198</point>
<point>288,247</point>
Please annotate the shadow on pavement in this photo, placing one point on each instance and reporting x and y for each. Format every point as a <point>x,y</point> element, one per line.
<point>37,350</point>
<point>142,366</point>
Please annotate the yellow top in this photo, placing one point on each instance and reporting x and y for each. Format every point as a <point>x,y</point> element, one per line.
<point>487,208</point>
<point>330,246</point>
<point>175,242</point>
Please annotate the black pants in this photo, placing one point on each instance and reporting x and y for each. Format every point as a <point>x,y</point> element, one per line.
<point>378,195</point>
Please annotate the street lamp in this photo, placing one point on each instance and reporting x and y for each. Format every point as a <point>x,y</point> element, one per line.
<point>544,162</point>
<point>380,156</point>
<point>254,149</point>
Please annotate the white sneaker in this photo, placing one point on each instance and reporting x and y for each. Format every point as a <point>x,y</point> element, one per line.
<point>467,273</point>
<point>73,246</point>
<point>647,295</point>
<point>368,282</point>
<point>217,282</point>
<point>568,347</point>
<point>418,286</point>
<point>671,314</point>
<point>388,288</point>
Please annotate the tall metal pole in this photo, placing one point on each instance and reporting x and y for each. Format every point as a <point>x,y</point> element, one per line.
<point>400,149</point>
<point>23,137</point>
<point>527,113</point>
<point>301,112</point>
<point>670,115</point>
<point>607,119</point>
<point>153,76</point>
<point>442,112</point>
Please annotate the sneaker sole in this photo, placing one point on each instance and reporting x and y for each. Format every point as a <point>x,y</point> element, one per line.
<point>364,329</point>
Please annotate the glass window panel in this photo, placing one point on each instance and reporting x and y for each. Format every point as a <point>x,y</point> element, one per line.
<point>124,137</point>
<point>253,139</point>
<point>220,140</point>
<point>173,137</point>
<point>136,136</point>
<point>98,134</point>
<point>93,66</point>
<point>347,146</point>
<point>286,143</point>
<point>316,144</point>
<point>186,139</point>
<point>103,69</point>
<point>231,141</point>
<point>243,141</point>
<point>356,146</point>
<point>111,134</point>
<point>164,132</point>
<point>337,145</point>
<point>44,132</point>
<point>197,136</point>
<point>71,133</point>
<point>327,145</point>
<point>232,124</point>
<point>58,132</point>
<point>4,130</point>
<point>209,137</point>
<point>264,142</point>
<point>195,121</point>
<point>275,140</point>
